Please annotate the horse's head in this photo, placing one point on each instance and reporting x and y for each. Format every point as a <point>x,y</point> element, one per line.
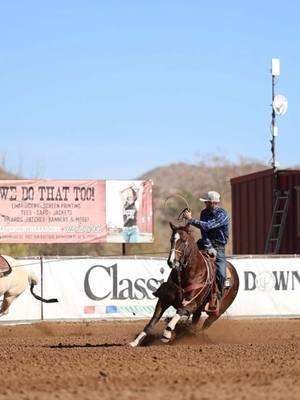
<point>181,246</point>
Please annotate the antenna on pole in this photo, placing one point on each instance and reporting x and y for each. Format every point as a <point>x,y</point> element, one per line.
<point>275,73</point>
<point>279,107</point>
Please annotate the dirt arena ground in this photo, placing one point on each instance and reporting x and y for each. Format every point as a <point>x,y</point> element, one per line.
<point>256,359</point>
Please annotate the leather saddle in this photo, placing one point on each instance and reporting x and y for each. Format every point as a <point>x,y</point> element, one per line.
<point>213,304</point>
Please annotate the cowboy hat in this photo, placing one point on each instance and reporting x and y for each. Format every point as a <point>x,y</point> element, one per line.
<point>211,196</point>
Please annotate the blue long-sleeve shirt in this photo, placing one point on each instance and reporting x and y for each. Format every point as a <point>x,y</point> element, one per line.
<point>214,225</point>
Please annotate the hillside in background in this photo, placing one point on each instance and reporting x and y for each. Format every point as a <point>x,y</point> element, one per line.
<point>191,181</point>
<point>173,185</point>
<point>7,175</point>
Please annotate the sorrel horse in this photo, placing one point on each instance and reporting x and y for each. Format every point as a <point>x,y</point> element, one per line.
<point>191,287</point>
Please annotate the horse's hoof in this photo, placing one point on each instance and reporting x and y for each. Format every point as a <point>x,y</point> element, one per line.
<point>133,344</point>
<point>168,336</point>
<point>203,333</point>
<point>193,330</point>
<point>138,340</point>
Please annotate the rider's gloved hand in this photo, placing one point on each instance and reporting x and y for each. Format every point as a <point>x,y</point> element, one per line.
<point>187,215</point>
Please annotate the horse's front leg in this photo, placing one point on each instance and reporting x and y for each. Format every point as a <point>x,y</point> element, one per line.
<point>167,333</point>
<point>158,312</point>
<point>186,310</point>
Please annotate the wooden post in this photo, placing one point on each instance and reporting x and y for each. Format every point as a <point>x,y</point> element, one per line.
<point>42,287</point>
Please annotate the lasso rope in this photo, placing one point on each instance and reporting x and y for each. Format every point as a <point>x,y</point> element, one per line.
<point>178,195</point>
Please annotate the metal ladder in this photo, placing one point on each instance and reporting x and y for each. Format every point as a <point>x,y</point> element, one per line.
<point>278,220</point>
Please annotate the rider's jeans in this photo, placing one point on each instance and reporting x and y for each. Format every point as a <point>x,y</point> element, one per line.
<point>220,260</point>
<point>221,265</point>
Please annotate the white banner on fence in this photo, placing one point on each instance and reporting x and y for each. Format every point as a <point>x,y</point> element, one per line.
<point>102,288</point>
<point>123,288</point>
<point>268,287</point>
<point>25,307</point>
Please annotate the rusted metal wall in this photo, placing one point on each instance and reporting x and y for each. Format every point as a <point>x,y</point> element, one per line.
<point>252,207</point>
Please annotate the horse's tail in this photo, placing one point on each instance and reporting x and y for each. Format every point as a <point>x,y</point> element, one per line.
<point>33,280</point>
<point>41,298</point>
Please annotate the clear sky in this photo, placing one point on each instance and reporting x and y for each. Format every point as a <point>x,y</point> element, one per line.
<point>111,89</point>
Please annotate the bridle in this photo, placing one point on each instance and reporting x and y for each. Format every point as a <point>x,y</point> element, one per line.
<point>184,255</point>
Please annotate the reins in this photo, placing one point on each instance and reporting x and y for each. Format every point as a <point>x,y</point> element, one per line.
<point>206,285</point>
<point>202,286</point>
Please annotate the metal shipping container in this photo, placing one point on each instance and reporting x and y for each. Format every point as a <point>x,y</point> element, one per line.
<point>252,209</point>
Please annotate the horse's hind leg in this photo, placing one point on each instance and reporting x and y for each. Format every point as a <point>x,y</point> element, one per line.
<point>209,321</point>
<point>213,317</point>
<point>195,320</point>
<point>225,303</point>
<point>196,316</point>
<point>159,310</point>
<point>7,300</point>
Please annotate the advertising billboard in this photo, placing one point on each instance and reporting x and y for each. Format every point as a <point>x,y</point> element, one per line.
<point>83,211</point>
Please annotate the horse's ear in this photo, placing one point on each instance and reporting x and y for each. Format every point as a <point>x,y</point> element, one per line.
<point>173,227</point>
